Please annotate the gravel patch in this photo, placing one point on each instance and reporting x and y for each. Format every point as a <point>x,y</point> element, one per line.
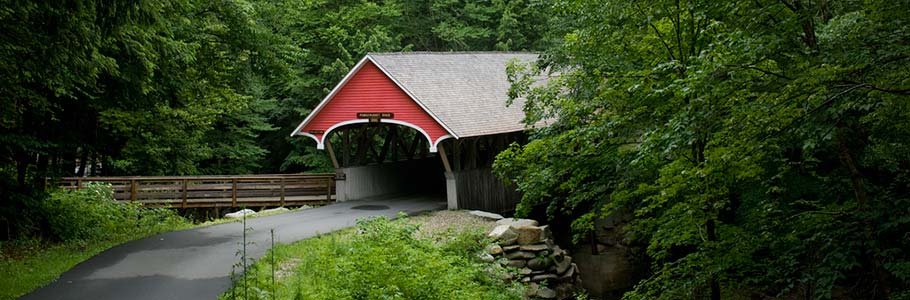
<point>446,222</point>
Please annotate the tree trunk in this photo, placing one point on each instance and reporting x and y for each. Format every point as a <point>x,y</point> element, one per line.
<point>698,154</point>
<point>41,171</point>
<point>21,169</point>
<point>856,178</point>
<point>862,201</point>
<point>82,163</point>
<point>713,283</point>
<point>95,163</point>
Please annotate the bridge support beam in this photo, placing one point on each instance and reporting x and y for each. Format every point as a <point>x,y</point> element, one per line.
<point>451,187</point>
<point>451,191</point>
<point>340,186</point>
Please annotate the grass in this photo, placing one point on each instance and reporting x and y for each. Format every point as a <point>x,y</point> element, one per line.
<point>425,257</point>
<point>29,264</point>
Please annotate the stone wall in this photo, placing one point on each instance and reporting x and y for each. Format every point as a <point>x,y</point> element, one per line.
<point>529,253</point>
<point>607,263</point>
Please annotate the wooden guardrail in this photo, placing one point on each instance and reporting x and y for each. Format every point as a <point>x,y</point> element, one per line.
<point>217,191</point>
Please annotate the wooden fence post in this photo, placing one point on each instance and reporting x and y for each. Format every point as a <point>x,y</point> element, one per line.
<point>328,190</point>
<point>132,189</point>
<point>184,193</point>
<point>233,192</point>
<point>79,184</point>
<point>282,191</point>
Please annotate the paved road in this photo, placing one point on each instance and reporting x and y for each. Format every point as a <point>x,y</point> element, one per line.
<point>196,264</point>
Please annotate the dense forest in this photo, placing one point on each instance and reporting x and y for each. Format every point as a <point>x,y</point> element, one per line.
<point>185,87</point>
<point>759,148</point>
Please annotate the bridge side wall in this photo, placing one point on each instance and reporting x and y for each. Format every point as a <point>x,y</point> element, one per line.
<point>480,189</point>
<point>415,176</point>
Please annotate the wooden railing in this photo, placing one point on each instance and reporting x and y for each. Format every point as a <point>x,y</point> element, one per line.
<point>217,191</point>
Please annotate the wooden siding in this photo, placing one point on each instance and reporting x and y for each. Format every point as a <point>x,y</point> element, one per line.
<point>480,189</point>
<point>370,90</point>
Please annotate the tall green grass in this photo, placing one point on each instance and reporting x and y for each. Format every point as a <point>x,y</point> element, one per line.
<point>379,259</point>
<point>80,224</point>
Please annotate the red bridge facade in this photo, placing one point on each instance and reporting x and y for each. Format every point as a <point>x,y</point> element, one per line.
<point>369,95</point>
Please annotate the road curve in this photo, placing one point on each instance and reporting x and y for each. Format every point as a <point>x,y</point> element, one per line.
<point>196,263</point>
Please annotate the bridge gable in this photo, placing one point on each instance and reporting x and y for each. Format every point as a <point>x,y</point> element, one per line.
<point>367,94</point>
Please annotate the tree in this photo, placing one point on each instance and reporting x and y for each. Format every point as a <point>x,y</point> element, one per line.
<point>743,136</point>
<point>183,87</point>
<point>130,88</point>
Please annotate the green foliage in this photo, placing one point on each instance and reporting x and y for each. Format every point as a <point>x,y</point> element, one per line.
<point>80,224</point>
<point>453,25</point>
<point>758,145</point>
<point>381,259</point>
<point>184,87</point>
<point>92,213</point>
<point>29,264</point>
<point>135,87</point>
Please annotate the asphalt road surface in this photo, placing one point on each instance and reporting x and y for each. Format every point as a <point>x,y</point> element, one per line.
<point>196,263</point>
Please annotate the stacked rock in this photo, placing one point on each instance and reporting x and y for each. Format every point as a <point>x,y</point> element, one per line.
<point>529,250</point>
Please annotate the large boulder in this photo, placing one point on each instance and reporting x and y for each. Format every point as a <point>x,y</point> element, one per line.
<point>534,248</point>
<point>531,290</point>
<point>543,277</point>
<point>486,257</point>
<point>516,263</point>
<point>538,263</point>
<point>606,273</point>
<point>511,248</point>
<point>240,214</point>
<point>562,263</point>
<point>516,222</point>
<point>504,235</point>
<point>486,215</point>
<point>528,235</point>
<point>546,293</point>
<point>570,273</point>
<point>495,249</point>
<point>520,255</point>
<point>545,233</point>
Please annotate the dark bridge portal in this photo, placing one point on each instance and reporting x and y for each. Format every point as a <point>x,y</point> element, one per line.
<point>374,159</point>
<point>422,122</point>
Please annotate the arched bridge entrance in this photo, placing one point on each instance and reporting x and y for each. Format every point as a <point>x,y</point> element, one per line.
<point>421,122</point>
<point>376,159</point>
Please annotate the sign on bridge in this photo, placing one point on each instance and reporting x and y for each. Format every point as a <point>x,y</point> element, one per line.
<point>374,117</point>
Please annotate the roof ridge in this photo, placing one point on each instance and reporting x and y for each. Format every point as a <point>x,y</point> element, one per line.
<point>448,52</point>
<point>465,91</point>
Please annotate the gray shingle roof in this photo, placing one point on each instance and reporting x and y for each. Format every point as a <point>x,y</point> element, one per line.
<point>466,91</point>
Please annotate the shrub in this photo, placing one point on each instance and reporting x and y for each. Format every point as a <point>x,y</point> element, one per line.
<point>92,213</point>
<point>382,259</point>
<point>385,261</point>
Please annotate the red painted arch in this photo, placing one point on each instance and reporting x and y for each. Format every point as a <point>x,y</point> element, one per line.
<point>369,90</point>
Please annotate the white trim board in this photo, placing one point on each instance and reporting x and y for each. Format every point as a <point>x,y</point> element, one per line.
<point>331,94</point>
<point>320,143</point>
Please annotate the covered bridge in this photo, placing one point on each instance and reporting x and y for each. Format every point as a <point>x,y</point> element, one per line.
<point>421,122</point>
